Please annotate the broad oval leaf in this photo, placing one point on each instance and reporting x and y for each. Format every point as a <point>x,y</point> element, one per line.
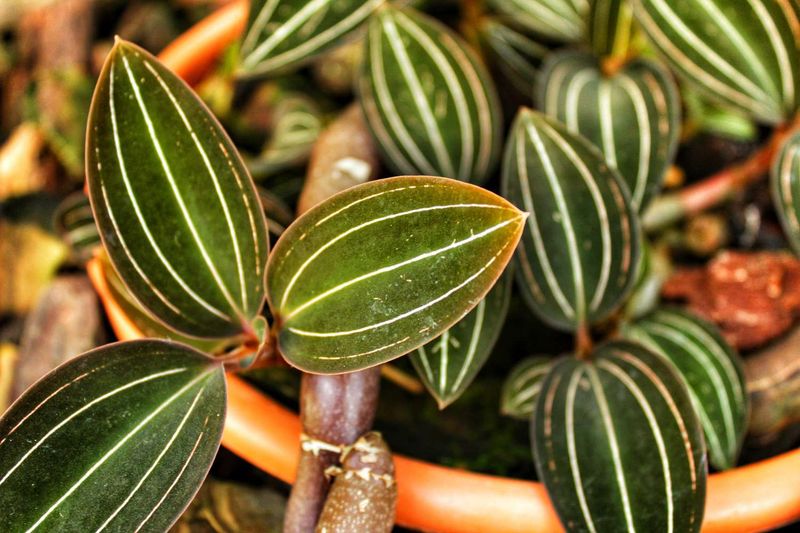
<point>516,55</point>
<point>382,268</point>
<point>713,371</point>
<point>150,327</point>
<point>521,388</point>
<point>427,99</point>
<point>285,34</point>
<point>744,54</point>
<point>618,445</point>
<point>176,208</point>
<point>610,27</point>
<point>119,438</point>
<point>581,246</point>
<point>447,365</point>
<point>562,20</point>
<point>633,116</point>
<point>785,184</point>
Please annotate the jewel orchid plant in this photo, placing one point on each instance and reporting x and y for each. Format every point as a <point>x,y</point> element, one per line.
<point>623,427</point>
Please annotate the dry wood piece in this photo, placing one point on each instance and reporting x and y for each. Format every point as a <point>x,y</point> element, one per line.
<point>364,493</point>
<point>65,322</point>
<point>343,156</point>
<point>753,297</point>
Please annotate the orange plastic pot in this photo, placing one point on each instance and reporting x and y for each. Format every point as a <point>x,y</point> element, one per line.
<point>756,497</point>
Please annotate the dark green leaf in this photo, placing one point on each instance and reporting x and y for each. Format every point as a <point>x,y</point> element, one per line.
<point>562,20</point>
<point>522,386</point>
<point>150,327</point>
<point>610,27</point>
<point>744,54</point>
<point>785,186</point>
<point>176,208</point>
<point>284,34</point>
<point>448,364</point>
<point>384,267</point>
<point>516,55</point>
<point>297,122</point>
<point>119,438</point>
<point>74,221</point>
<point>618,445</point>
<point>633,117</point>
<point>712,370</point>
<point>427,99</point>
<point>580,250</point>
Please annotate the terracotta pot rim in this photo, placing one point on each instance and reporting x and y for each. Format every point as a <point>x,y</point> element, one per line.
<point>755,497</point>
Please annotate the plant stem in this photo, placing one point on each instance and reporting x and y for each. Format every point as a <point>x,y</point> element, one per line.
<point>583,342</point>
<point>716,188</point>
<point>335,411</point>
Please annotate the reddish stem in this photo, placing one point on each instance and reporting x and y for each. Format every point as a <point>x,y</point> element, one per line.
<point>716,188</point>
<point>335,411</point>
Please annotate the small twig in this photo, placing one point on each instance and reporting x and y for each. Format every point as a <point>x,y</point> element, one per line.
<point>716,188</point>
<point>404,380</point>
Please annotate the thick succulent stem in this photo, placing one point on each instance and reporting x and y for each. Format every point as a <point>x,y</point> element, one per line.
<point>364,492</point>
<point>335,411</point>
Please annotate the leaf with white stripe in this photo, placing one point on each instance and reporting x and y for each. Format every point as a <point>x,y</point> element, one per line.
<point>447,365</point>
<point>633,116</point>
<point>744,54</point>
<point>282,35</point>
<point>119,438</point>
<point>610,27</point>
<point>176,208</point>
<point>380,269</point>
<point>712,370</point>
<point>562,20</point>
<point>522,387</point>
<point>581,246</point>
<point>515,54</point>
<point>150,327</point>
<point>785,184</point>
<point>618,445</point>
<point>428,101</point>
<point>74,222</point>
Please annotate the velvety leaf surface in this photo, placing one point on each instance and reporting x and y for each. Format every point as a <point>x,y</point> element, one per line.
<point>744,53</point>
<point>384,267</point>
<point>428,101</point>
<point>448,364</point>
<point>618,445</point>
<point>522,386</point>
<point>119,438</point>
<point>562,20</point>
<point>580,249</point>
<point>285,34</point>
<point>150,327</point>
<point>633,117</point>
<point>516,55</point>
<point>177,211</point>
<point>785,184</point>
<point>610,27</point>
<point>713,371</point>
